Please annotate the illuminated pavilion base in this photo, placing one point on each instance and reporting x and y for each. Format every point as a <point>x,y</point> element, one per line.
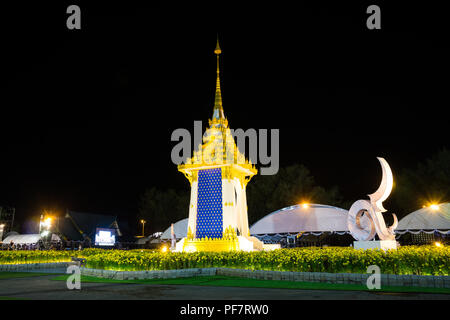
<point>236,244</point>
<point>381,244</point>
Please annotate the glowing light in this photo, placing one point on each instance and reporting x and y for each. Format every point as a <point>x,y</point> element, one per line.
<point>305,205</point>
<point>143,226</point>
<point>164,249</point>
<point>438,244</point>
<point>47,222</point>
<point>434,207</point>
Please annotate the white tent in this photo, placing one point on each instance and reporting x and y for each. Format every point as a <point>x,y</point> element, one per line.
<point>27,238</point>
<point>22,238</point>
<point>313,218</point>
<point>430,218</point>
<point>179,228</point>
<point>153,238</point>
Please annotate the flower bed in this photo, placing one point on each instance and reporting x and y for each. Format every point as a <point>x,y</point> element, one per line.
<point>423,260</point>
<point>34,256</point>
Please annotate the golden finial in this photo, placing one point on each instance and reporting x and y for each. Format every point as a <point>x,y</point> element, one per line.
<point>218,109</point>
<point>217,50</point>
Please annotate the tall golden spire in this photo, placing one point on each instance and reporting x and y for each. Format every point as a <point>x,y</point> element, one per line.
<point>218,108</point>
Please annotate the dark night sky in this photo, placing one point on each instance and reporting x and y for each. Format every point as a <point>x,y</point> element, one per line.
<point>87,115</point>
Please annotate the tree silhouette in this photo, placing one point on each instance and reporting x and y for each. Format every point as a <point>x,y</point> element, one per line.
<point>429,182</point>
<point>160,208</point>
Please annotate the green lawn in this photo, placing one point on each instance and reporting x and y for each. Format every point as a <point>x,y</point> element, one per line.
<point>10,275</point>
<point>12,298</point>
<point>224,281</point>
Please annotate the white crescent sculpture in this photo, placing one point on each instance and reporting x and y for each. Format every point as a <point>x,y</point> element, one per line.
<point>385,188</point>
<point>365,218</point>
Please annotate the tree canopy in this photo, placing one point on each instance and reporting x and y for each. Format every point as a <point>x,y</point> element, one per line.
<point>428,183</point>
<point>160,208</point>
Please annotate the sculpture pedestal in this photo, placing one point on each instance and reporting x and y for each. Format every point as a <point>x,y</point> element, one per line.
<point>380,244</point>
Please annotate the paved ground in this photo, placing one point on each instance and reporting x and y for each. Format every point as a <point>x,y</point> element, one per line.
<point>41,287</point>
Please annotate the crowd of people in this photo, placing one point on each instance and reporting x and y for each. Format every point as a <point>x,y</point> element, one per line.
<point>52,245</point>
<point>65,245</point>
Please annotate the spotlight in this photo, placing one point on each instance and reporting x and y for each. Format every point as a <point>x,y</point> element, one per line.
<point>434,207</point>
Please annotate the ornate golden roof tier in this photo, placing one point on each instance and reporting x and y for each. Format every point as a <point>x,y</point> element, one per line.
<point>218,150</point>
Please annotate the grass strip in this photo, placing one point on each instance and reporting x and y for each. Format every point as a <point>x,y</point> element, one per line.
<point>12,275</point>
<point>225,281</point>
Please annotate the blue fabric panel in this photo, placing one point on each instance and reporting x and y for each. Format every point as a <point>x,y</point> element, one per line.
<point>209,204</point>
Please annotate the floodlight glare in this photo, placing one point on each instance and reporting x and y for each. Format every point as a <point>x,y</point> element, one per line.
<point>434,207</point>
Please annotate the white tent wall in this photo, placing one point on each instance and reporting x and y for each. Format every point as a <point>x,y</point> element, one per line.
<point>179,228</point>
<point>426,220</point>
<point>313,218</point>
<point>22,239</point>
<point>27,238</point>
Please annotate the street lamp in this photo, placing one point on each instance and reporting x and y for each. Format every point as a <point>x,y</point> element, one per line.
<point>45,224</point>
<point>434,207</point>
<point>143,224</point>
